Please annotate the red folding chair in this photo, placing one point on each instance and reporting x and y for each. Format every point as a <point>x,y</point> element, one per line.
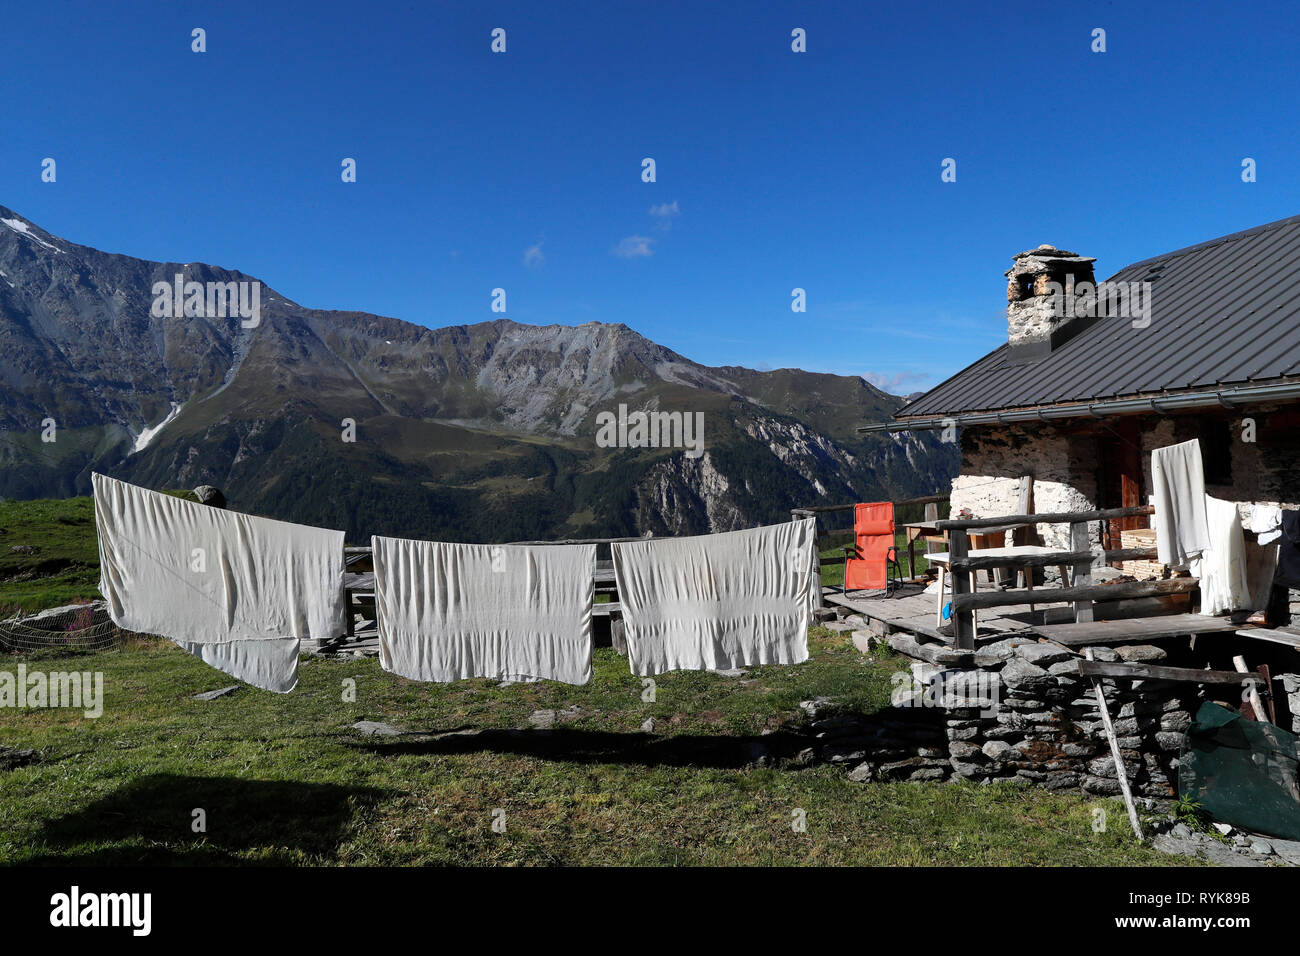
<point>871,562</point>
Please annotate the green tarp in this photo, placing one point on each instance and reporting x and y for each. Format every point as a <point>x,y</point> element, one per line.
<point>1242,771</point>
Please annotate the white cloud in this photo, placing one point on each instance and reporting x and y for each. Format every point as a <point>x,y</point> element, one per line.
<point>664,214</point>
<point>533,256</point>
<point>899,383</point>
<point>634,247</point>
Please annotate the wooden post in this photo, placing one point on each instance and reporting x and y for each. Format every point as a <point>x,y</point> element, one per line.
<point>1082,576</point>
<point>1252,693</point>
<point>818,599</point>
<point>963,620</point>
<point>1120,772</point>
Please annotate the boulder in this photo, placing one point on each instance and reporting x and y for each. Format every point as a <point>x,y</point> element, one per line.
<point>210,496</point>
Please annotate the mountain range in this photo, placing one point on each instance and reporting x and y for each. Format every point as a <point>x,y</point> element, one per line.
<point>480,432</point>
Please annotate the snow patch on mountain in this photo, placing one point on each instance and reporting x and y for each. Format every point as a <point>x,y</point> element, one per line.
<point>146,435</point>
<point>20,227</point>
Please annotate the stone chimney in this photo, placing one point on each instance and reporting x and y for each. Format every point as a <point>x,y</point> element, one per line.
<point>1051,296</point>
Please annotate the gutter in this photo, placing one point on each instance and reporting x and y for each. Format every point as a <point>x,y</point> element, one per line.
<point>1164,404</point>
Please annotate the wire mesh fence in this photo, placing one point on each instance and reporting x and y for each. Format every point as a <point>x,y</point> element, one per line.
<point>81,628</point>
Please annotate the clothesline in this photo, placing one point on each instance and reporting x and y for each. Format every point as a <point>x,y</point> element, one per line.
<point>242,592</point>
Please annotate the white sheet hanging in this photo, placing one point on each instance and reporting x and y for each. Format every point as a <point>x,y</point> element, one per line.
<point>1221,566</point>
<point>238,591</point>
<point>1178,491</point>
<point>510,612</point>
<point>717,601</point>
<point>1266,522</point>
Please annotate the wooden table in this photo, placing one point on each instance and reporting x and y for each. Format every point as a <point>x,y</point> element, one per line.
<point>923,531</point>
<point>928,531</point>
<point>1012,555</point>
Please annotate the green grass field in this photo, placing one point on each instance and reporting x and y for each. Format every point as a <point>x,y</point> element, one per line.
<point>285,779</point>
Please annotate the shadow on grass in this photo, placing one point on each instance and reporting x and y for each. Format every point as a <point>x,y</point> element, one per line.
<point>590,746</point>
<point>150,822</point>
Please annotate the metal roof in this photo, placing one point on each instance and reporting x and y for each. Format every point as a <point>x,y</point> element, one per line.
<point>1223,312</point>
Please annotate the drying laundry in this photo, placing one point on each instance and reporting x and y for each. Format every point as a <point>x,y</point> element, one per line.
<point>1266,522</point>
<point>238,591</point>
<point>510,612</point>
<point>717,601</point>
<point>1221,565</point>
<point>1178,486</point>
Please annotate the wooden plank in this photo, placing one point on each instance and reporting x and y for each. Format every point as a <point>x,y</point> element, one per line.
<point>1252,692</point>
<point>1289,638</point>
<point>1121,771</point>
<point>1061,517</point>
<point>986,562</point>
<point>963,618</point>
<point>930,653</point>
<point>982,562</point>
<point>1133,630</point>
<point>1096,592</point>
<point>606,609</point>
<point>1190,675</point>
<point>1081,575</point>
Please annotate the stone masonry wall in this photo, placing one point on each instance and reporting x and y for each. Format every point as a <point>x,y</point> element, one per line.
<point>1021,713</point>
<point>994,459</point>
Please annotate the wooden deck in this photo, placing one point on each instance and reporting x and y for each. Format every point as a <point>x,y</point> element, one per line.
<point>912,611</point>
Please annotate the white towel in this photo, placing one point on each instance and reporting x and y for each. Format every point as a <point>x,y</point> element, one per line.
<point>1221,566</point>
<point>1266,521</point>
<point>717,601</point>
<point>510,612</point>
<point>238,591</point>
<point>1178,486</point>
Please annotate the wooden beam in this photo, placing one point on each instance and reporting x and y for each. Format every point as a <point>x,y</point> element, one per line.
<point>1129,554</point>
<point>1133,630</point>
<point>1289,638</point>
<point>1252,692</point>
<point>1120,770</point>
<point>1081,575</point>
<point>1061,517</point>
<point>981,562</point>
<point>962,616</point>
<point>906,645</point>
<point>1188,675</point>
<point>986,562</point>
<point>1096,592</point>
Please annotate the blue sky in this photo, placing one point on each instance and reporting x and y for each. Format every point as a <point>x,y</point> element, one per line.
<point>818,170</point>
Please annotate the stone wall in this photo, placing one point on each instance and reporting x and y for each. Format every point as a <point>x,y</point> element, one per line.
<point>1064,460</point>
<point>1062,464</point>
<point>1022,713</point>
<point>1264,471</point>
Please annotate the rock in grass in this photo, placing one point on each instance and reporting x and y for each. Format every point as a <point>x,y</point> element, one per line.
<point>649,726</point>
<point>375,728</point>
<point>12,758</point>
<point>817,707</point>
<point>214,694</point>
<point>542,719</point>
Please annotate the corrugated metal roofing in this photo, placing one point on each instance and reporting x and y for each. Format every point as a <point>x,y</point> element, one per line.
<point>1224,312</point>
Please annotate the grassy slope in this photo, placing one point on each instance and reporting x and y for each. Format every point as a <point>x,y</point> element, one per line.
<point>284,778</point>
<point>67,563</point>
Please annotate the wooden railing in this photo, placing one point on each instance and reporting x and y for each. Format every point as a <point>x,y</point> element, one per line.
<point>1081,556</point>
